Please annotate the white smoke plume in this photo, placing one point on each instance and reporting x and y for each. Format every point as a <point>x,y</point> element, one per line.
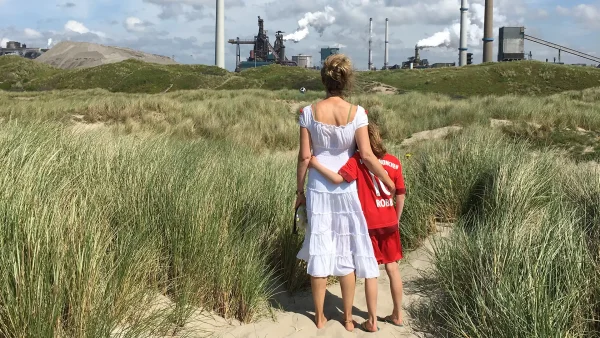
<point>317,20</point>
<point>3,42</point>
<point>450,36</point>
<point>49,42</point>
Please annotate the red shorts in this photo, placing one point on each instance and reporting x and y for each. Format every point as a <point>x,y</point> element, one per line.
<point>386,244</point>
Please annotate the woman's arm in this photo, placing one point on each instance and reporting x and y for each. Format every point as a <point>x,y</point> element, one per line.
<point>331,175</point>
<point>304,154</point>
<point>370,160</point>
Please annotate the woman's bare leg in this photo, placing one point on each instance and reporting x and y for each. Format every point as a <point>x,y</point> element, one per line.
<point>348,285</point>
<point>318,286</point>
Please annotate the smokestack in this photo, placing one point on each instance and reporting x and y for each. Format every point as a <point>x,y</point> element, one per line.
<point>462,50</point>
<point>385,57</point>
<point>370,42</point>
<point>220,35</point>
<point>488,34</point>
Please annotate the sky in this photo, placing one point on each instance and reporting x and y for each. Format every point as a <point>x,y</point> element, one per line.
<point>185,29</point>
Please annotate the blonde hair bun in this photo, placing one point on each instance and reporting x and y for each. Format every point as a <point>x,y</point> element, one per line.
<point>337,74</point>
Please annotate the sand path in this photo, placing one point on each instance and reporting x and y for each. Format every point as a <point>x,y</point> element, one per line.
<point>295,319</point>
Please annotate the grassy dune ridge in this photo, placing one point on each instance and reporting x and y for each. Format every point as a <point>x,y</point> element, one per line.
<point>272,116</point>
<point>522,261</point>
<point>103,223</point>
<point>132,76</point>
<point>110,199</point>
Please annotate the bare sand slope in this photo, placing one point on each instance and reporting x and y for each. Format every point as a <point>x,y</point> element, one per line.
<point>296,317</point>
<point>68,55</point>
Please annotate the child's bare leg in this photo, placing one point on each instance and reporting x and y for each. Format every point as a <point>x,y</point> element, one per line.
<point>396,289</point>
<point>371,295</point>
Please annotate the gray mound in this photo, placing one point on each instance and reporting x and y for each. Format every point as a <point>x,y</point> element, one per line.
<point>69,55</point>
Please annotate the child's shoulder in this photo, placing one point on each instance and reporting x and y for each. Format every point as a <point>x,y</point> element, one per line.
<point>391,158</point>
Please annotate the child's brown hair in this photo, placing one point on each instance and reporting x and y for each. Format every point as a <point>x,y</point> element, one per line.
<point>376,140</point>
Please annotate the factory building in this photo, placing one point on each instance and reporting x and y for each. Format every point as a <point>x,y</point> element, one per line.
<point>16,48</point>
<point>326,51</point>
<point>511,44</point>
<point>303,61</point>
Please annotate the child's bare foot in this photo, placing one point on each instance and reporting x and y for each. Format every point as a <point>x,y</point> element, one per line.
<point>320,322</point>
<point>394,320</point>
<point>349,325</point>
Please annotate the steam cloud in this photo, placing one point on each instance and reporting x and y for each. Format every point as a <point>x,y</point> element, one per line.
<point>49,42</point>
<point>450,36</point>
<point>317,20</point>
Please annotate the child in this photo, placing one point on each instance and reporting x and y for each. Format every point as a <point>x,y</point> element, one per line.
<point>381,215</point>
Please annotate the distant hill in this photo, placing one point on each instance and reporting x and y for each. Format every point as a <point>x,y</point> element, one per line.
<point>69,55</point>
<point>134,76</point>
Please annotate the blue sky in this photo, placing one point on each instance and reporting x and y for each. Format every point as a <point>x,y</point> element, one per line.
<point>185,28</point>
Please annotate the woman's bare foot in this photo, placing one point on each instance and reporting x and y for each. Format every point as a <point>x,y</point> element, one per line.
<point>321,322</point>
<point>349,325</point>
<point>369,327</point>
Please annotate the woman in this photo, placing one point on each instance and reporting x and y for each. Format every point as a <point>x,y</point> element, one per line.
<point>337,239</point>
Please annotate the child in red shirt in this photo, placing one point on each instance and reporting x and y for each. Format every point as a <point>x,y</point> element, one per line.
<point>380,212</point>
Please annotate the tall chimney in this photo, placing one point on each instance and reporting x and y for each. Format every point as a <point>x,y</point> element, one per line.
<point>385,56</point>
<point>462,50</point>
<point>220,35</point>
<point>370,43</point>
<point>488,31</point>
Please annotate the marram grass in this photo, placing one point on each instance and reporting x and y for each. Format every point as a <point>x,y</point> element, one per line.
<point>110,200</point>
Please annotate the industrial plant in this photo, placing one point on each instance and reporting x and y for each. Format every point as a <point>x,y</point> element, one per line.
<point>263,52</point>
<point>511,46</point>
<point>16,48</point>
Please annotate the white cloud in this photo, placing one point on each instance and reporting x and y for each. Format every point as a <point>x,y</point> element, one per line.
<point>589,15</point>
<point>78,27</point>
<point>4,41</point>
<point>133,24</point>
<point>542,13</point>
<point>190,9</point>
<point>562,10</point>
<point>32,33</point>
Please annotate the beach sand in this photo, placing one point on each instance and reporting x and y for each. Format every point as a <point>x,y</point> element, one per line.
<point>295,318</point>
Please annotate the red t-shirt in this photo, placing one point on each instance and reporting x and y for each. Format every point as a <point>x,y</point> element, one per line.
<point>377,202</point>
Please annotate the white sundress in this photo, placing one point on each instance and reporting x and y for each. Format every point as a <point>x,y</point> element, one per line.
<point>337,239</point>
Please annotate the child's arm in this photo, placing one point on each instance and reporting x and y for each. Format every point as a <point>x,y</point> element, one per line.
<point>328,174</point>
<point>400,191</point>
<point>399,205</point>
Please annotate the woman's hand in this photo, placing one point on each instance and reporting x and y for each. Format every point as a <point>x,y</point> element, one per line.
<point>391,189</point>
<point>300,199</point>
<point>313,161</point>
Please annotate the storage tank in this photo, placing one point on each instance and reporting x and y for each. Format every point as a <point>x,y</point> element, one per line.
<point>511,44</point>
<point>304,61</point>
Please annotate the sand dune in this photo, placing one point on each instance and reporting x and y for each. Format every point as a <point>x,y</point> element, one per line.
<point>68,55</point>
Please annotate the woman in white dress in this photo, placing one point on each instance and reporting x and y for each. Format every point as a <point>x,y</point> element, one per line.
<point>337,240</point>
